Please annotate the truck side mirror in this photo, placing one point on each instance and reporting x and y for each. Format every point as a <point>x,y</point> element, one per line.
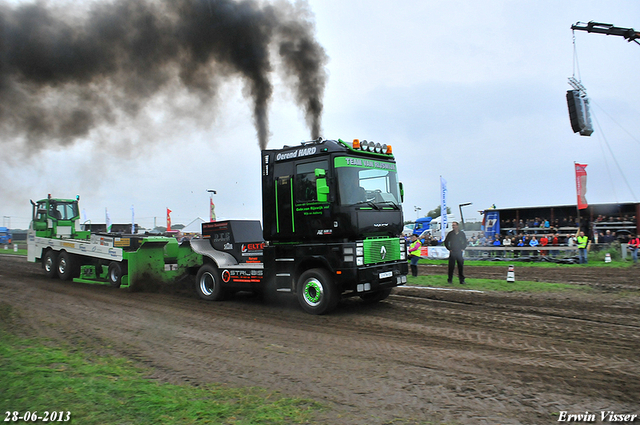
<point>401,193</point>
<point>322,189</point>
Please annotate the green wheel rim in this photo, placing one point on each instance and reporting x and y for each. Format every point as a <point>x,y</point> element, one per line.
<point>313,292</point>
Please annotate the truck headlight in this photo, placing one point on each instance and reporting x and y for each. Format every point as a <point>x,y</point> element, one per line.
<point>359,254</point>
<point>348,254</point>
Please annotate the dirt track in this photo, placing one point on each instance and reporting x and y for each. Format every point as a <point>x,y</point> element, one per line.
<point>422,355</point>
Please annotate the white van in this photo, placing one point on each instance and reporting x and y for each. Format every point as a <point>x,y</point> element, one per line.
<point>436,225</point>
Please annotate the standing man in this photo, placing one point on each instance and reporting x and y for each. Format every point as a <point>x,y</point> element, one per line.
<point>456,242</point>
<point>583,242</point>
<point>608,238</point>
<point>414,254</point>
<point>634,245</point>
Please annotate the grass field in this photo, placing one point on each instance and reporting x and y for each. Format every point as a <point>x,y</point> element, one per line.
<point>40,376</point>
<point>10,251</point>
<point>440,281</point>
<point>594,261</point>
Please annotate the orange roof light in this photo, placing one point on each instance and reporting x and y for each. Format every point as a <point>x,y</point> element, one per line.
<point>356,143</point>
<point>389,150</point>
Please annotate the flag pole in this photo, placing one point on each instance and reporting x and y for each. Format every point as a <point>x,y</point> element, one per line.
<point>581,189</point>
<point>577,198</point>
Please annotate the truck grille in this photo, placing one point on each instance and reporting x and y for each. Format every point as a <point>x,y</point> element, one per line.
<point>381,250</point>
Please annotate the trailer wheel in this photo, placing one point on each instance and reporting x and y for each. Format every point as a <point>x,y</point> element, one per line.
<point>49,263</point>
<point>67,266</point>
<point>374,297</point>
<point>209,284</point>
<point>114,275</point>
<point>317,293</point>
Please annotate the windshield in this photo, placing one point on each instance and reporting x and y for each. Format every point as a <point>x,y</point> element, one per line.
<point>63,210</point>
<point>366,181</point>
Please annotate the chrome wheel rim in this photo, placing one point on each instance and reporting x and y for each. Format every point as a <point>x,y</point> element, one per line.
<point>313,292</point>
<point>48,264</point>
<point>207,283</point>
<point>62,266</point>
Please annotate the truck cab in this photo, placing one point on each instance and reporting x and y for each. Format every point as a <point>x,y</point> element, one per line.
<point>5,236</point>
<point>332,221</point>
<point>57,218</point>
<point>421,225</point>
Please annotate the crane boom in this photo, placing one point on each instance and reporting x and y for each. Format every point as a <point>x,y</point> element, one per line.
<point>598,27</point>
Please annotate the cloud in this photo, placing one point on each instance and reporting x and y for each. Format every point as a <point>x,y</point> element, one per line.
<point>61,78</point>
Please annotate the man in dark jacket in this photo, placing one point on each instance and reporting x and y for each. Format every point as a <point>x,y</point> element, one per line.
<point>456,242</point>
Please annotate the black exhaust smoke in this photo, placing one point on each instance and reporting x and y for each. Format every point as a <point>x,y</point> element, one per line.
<point>63,71</point>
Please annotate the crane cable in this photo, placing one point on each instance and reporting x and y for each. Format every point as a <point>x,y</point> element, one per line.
<point>601,135</point>
<point>624,177</point>
<point>575,57</point>
<point>634,138</point>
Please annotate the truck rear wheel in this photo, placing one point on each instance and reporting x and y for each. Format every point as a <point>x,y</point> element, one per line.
<point>67,266</point>
<point>114,275</point>
<point>49,263</point>
<point>317,293</point>
<point>209,284</point>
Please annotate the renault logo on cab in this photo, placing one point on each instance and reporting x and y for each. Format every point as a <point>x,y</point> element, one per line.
<point>383,252</point>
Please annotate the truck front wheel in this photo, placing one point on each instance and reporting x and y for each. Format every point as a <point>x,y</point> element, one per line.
<point>49,263</point>
<point>317,293</point>
<point>209,284</point>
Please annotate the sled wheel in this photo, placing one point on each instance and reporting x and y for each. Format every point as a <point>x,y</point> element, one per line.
<point>49,264</point>
<point>67,266</point>
<point>114,274</point>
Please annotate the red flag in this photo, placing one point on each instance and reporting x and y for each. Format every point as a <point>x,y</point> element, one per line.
<point>581,185</point>
<point>212,213</point>
<point>168,219</point>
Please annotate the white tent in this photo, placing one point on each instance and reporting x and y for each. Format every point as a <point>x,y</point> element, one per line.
<point>194,227</point>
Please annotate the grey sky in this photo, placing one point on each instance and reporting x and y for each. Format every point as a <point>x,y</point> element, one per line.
<point>471,91</point>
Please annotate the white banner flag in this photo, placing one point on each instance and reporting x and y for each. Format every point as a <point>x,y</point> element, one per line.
<point>107,220</point>
<point>443,208</point>
<point>133,220</point>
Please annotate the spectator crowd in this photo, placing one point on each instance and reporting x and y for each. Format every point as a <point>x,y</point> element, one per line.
<point>540,232</point>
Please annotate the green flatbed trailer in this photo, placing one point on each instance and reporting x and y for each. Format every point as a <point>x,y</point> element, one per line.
<point>69,253</point>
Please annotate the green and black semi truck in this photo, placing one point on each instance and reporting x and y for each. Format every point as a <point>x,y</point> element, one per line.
<point>332,217</point>
<point>331,228</point>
